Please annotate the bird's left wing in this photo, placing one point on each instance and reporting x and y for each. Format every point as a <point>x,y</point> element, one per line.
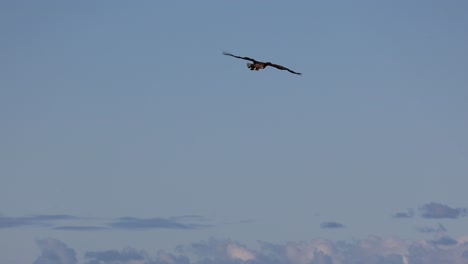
<point>244,58</point>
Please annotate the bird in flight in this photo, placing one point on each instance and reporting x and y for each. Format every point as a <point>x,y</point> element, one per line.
<point>258,65</point>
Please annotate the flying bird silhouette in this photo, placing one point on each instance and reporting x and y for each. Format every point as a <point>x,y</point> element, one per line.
<point>258,65</point>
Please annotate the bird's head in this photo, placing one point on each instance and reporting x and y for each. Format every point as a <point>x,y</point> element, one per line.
<point>249,65</point>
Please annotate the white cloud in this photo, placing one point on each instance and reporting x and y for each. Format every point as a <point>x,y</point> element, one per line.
<point>374,245</point>
<point>235,251</point>
<point>54,251</point>
<point>307,252</point>
<point>165,257</point>
<point>300,253</point>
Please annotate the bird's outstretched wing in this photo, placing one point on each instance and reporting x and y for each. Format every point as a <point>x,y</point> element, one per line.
<point>244,58</point>
<point>281,68</point>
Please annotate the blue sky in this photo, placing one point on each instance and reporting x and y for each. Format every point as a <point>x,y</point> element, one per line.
<point>123,125</point>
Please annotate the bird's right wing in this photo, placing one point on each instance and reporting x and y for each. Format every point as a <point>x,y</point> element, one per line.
<point>244,58</point>
<point>282,68</point>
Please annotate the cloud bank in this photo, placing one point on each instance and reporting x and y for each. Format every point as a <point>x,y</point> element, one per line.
<point>408,214</point>
<point>436,210</point>
<point>372,249</point>
<point>326,225</point>
<point>75,223</point>
<point>430,210</point>
<point>33,221</point>
<point>138,223</point>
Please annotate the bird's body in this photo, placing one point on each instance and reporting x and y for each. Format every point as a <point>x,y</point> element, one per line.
<point>258,65</point>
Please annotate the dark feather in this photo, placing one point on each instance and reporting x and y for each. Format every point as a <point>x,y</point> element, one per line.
<point>244,58</point>
<point>281,68</point>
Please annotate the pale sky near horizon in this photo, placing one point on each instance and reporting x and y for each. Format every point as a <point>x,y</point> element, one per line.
<point>114,109</point>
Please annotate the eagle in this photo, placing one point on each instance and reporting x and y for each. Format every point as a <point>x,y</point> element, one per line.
<point>258,65</point>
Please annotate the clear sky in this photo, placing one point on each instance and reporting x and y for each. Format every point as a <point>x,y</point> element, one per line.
<point>125,131</point>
